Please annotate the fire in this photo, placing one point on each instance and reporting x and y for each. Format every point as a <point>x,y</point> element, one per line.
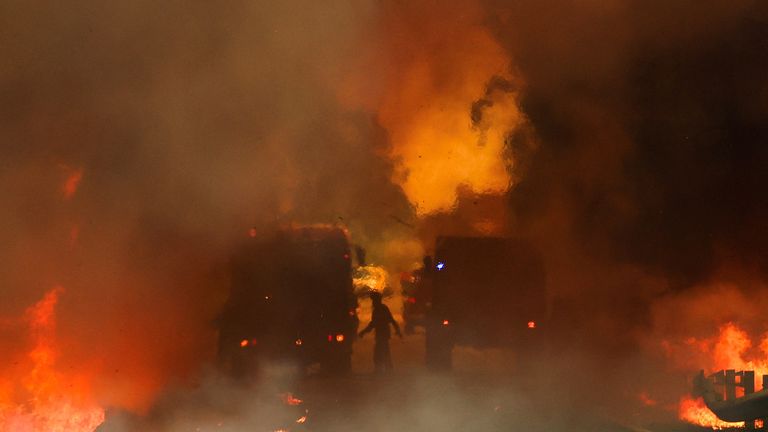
<point>696,412</point>
<point>290,399</point>
<point>71,183</point>
<point>449,101</point>
<point>370,278</point>
<point>437,148</point>
<point>46,400</point>
<point>728,350</point>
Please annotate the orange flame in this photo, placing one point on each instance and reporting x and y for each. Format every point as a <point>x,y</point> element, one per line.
<point>447,126</point>
<point>727,350</point>
<point>72,182</point>
<point>46,399</point>
<point>696,412</point>
<point>290,399</point>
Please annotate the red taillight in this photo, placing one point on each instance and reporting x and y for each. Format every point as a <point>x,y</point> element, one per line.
<point>445,322</point>
<point>330,338</point>
<point>411,299</point>
<point>531,324</point>
<point>339,338</point>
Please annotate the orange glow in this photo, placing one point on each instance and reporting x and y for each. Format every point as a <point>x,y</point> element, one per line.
<point>647,400</point>
<point>244,343</point>
<point>252,232</point>
<point>370,278</point>
<point>445,322</point>
<point>72,182</point>
<point>339,338</point>
<point>759,423</point>
<point>727,350</point>
<point>696,412</point>
<point>298,342</point>
<point>50,400</point>
<point>440,141</point>
<point>531,324</point>
<point>290,399</point>
<point>301,419</point>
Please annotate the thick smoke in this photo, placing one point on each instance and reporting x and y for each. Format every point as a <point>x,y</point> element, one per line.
<point>188,124</point>
<point>141,141</point>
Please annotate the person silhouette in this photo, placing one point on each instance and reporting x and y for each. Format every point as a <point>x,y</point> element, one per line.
<point>381,318</point>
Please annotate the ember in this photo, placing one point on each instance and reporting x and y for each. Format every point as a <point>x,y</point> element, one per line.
<point>290,399</point>
<point>74,176</point>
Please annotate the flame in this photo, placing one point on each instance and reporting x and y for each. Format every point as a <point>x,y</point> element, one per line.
<point>46,400</point>
<point>290,399</point>
<point>447,122</point>
<point>696,412</point>
<point>437,149</point>
<point>727,350</point>
<point>71,183</point>
<point>370,278</point>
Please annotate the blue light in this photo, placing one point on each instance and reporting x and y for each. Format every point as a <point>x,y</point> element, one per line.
<point>440,265</point>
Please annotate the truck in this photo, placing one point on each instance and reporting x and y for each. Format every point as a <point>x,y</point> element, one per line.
<point>291,300</point>
<point>482,292</point>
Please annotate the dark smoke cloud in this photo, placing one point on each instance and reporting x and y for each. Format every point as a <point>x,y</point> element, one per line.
<point>651,123</point>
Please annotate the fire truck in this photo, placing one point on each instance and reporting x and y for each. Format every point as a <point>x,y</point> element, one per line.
<point>483,292</point>
<point>291,299</point>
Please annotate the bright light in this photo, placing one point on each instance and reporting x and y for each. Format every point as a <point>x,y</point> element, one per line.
<point>298,342</point>
<point>445,322</point>
<point>440,265</point>
<point>531,324</point>
<point>244,343</point>
<point>339,338</point>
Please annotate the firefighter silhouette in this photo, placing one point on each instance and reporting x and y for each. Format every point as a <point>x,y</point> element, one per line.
<point>381,318</point>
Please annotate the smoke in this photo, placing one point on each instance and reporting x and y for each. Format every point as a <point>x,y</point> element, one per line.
<point>142,141</point>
